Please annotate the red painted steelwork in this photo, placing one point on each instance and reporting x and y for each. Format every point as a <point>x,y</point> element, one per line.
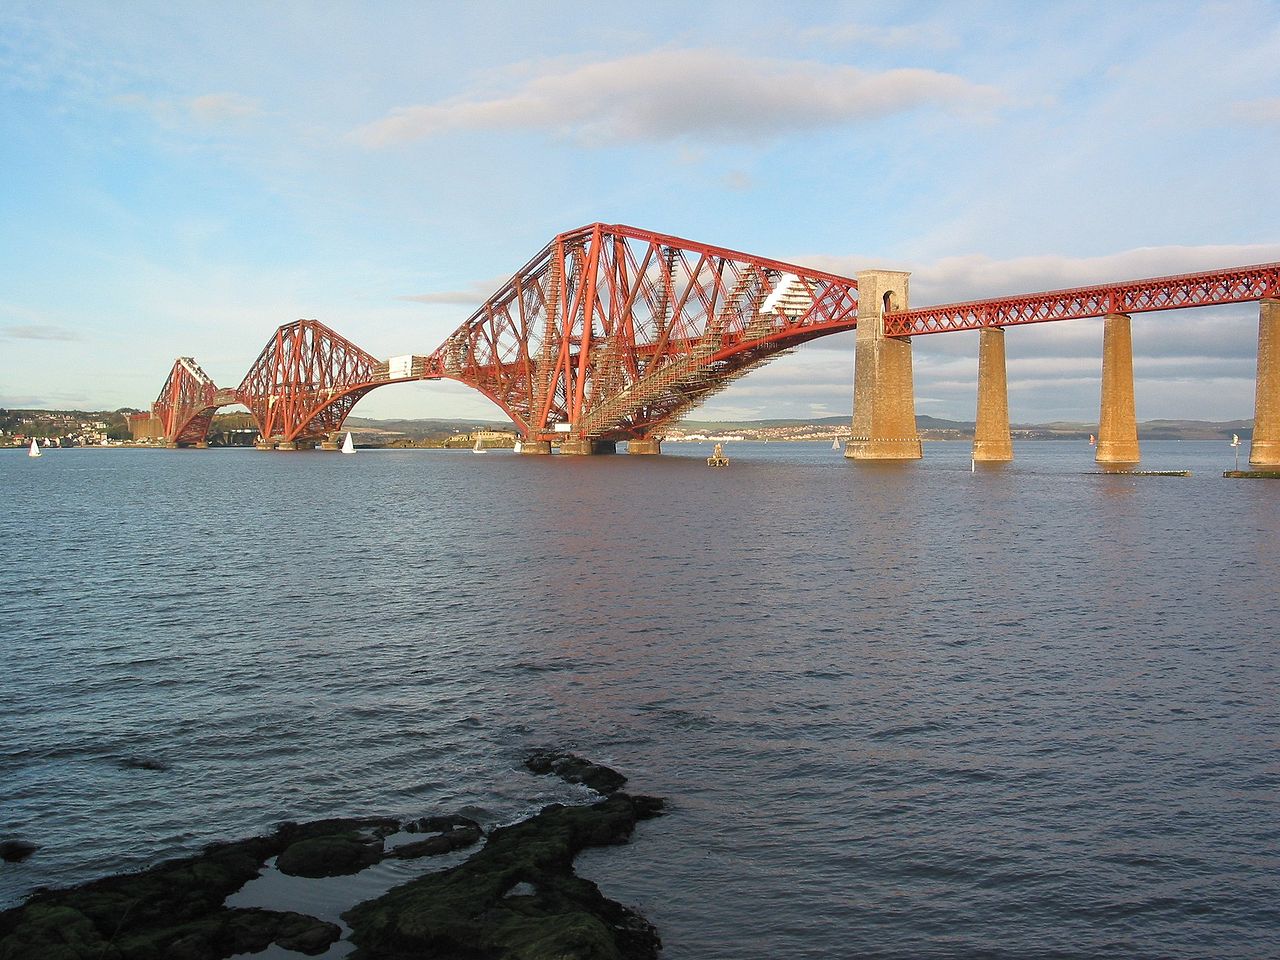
<point>305,381</point>
<point>186,403</point>
<point>610,332</point>
<point>1238,285</point>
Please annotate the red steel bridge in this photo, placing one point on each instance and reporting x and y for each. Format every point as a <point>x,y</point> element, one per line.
<point>610,333</point>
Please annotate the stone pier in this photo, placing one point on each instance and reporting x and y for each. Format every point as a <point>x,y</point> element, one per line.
<point>991,440</point>
<point>648,447</point>
<point>1265,449</point>
<point>535,448</point>
<point>1117,419</point>
<point>884,407</point>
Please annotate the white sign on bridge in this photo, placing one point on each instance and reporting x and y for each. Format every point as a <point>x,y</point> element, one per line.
<point>400,367</point>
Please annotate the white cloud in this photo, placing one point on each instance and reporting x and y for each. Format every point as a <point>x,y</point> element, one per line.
<point>930,35</point>
<point>207,110</point>
<point>979,277</point>
<point>701,94</point>
<point>37,332</point>
<point>477,293</point>
<point>221,107</point>
<point>1262,110</point>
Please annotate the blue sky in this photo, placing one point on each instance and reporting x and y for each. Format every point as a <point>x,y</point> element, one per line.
<point>181,178</point>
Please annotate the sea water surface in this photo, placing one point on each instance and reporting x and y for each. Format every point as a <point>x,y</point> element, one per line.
<point>898,711</point>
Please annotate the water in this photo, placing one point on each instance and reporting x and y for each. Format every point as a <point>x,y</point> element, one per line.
<point>916,712</point>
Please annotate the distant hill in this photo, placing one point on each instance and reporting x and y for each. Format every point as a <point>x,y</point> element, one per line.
<point>425,429</point>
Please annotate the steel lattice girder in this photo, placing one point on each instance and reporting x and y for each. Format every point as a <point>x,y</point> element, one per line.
<point>306,380</point>
<point>1239,285</point>
<point>186,402</point>
<point>614,331</point>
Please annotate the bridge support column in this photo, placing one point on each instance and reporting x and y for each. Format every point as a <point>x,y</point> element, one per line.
<point>535,448</point>
<point>650,446</point>
<point>884,407</point>
<point>1264,451</point>
<point>202,444</point>
<point>262,444</point>
<point>1117,419</point>
<point>587,447</point>
<point>991,440</point>
<point>171,445</point>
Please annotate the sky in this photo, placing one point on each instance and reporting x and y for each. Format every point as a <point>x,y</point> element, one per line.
<point>181,178</point>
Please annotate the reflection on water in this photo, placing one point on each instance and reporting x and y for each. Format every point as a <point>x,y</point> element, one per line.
<point>933,709</point>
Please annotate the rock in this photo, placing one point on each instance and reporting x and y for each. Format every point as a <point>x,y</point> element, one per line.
<point>142,763</point>
<point>172,911</point>
<point>15,851</point>
<point>446,842</point>
<point>306,934</point>
<point>452,833</point>
<point>438,824</point>
<point>517,897</point>
<point>336,855</point>
<point>574,769</point>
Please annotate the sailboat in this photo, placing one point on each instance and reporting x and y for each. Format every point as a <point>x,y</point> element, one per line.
<point>519,447</point>
<point>347,445</point>
<point>1093,441</point>
<point>478,448</point>
<point>835,444</point>
<point>35,449</point>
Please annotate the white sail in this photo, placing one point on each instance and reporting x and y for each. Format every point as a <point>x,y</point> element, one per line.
<point>835,444</point>
<point>347,445</point>
<point>478,448</point>
<point>519,447</point>
<point>35,449</point>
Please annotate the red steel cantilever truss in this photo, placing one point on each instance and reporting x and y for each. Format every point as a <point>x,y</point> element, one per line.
<point>610,331</point>
<point>187,402</point>
<point>307,378</point>
<point>1237,285</point>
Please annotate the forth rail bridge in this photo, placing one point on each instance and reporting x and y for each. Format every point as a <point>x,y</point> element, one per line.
<point>611,333</point>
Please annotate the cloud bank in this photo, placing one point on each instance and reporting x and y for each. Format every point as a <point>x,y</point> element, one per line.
<point>37,331</point>
<point>704,94</point>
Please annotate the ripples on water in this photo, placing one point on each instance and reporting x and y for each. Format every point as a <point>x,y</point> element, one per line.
<point>915,712</point>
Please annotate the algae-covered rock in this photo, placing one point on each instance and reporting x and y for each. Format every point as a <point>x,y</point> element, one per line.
<point>15,851</point>
<point>574,769</point>
<point>518,897</point>
<point>333,848</point>
<point>332,856</point>
<point>173,911</point>
<point>450,833</point>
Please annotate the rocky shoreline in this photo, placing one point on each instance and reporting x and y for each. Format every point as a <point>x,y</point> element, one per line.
<point>517,896</point>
